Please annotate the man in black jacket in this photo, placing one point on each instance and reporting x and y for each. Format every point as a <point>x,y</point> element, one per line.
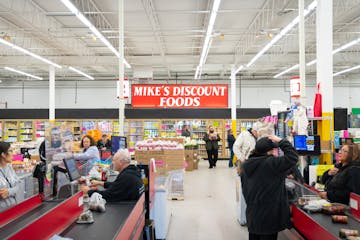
<point>263,183</point>
<point>128,184</point>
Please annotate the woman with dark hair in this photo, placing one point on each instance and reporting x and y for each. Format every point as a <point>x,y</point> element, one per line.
<point>347,179</point>
<point>89,155</point>
<point>9,181</point>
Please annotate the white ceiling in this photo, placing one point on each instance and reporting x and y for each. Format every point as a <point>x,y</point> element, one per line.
<point>167,35</point>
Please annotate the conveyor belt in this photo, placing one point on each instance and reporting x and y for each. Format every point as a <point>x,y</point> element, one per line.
<point>106,224</point>
<point>18,224</point>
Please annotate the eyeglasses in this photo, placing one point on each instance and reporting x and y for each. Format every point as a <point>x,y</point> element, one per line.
<point>343,151</point>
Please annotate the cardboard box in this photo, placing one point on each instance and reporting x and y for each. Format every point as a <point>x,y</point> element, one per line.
<point>174,159</point>
<point>190,165</point>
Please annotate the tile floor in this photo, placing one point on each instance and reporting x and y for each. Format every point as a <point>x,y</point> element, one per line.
<point>209,209</point>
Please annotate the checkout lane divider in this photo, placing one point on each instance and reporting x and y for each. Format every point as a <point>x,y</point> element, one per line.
<point>20,209</point>
<point>54,221</point>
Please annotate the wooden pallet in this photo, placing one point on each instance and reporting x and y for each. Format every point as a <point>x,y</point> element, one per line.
<point>178,198</point>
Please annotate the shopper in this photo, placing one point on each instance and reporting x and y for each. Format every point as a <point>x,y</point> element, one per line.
<point>245,143</point>
<point>329,174</point>
<point>347,179</point>
<point>243,146</point>
<point>185,132</point>
<point>9,181</point>
<point>263,183</point>
<point>89,155</point>
<point>104,143</point>
<point>128,184</point>
<point>212,147</point>
<point>230,140</point>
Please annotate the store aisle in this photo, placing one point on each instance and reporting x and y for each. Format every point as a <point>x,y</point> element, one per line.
<point>209,209</point>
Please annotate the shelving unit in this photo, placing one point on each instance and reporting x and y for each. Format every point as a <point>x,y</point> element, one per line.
<point>105,126</point>
<point>76,126</point>
<point>10,131</point>
<point>88,125</point>
<point>136,133</point>
<point>25,131</point>
<point>40,127</point>
<point>198,129</point>
<point>168,128</point>
<point>151,128</point>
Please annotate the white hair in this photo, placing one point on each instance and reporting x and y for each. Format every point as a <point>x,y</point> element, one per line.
<point>123,154</point>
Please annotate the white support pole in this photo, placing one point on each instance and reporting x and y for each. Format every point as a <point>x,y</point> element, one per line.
<point>324,72</point>
<point>302,53</point>
<point>121,68</point>
<point>324,43</point>
<point>233,101</point>
<point>51,93</point>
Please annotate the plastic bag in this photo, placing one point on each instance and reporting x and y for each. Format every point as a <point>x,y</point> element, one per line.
<point>94,174</point>
<point>97,203</point>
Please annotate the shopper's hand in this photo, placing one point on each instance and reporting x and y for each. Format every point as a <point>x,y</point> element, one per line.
<point>4,193</point>
<point>333,171</point>
<point>95,183</point>
<point>275,138</point>
<point>323,195</point>
<point>85,189</point>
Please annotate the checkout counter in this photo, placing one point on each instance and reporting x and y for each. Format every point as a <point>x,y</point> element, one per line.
<point>317,225</point>
<point>42,219</point>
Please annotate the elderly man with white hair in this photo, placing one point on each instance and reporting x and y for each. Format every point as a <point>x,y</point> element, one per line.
<point>127,185</point>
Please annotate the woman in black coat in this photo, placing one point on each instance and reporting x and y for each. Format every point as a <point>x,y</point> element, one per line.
<point>347,179</point>
<point>211,140</point>
<point>231,140</point>
<point>263,183</point>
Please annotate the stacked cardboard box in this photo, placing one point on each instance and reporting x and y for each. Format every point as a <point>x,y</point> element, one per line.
<point>172,159</point>
<point>191,159</point>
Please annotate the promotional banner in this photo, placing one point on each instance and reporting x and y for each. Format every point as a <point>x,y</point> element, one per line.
<point>179,96</point>
<point>126,88</point>
<point>295,87</point>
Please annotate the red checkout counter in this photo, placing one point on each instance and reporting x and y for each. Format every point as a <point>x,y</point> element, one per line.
<point>315,226</point>
<point>42,220</point>
<point>35,218</point>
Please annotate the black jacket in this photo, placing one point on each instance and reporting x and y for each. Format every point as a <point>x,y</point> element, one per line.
<point>211,144</point>
<point>346,180</point>
<point>263,185</point>
<point>126,187</point>
<point>231,141</point>
<point>101,144</point>
<point>326,178</point>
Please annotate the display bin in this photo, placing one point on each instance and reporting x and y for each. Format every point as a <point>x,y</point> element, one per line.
<point>176,185</point>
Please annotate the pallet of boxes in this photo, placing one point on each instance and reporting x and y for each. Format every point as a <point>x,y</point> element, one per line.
<point>169,160</point>
<point>191,156</point>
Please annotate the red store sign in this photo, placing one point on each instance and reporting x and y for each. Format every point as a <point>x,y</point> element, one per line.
<point>179,96</point>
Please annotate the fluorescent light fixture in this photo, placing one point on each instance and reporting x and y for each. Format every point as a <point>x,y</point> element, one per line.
<point>346,70</point>
<point>81,73</point>
<point>27,52</point>
<point>343,47</point>
<point>208,39</point>
<point>282,33</point>
<point>241,67</point>
<point>286,71</point>
<point>23,73</point>
<point>197,72</point>
<point>85,21</point>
